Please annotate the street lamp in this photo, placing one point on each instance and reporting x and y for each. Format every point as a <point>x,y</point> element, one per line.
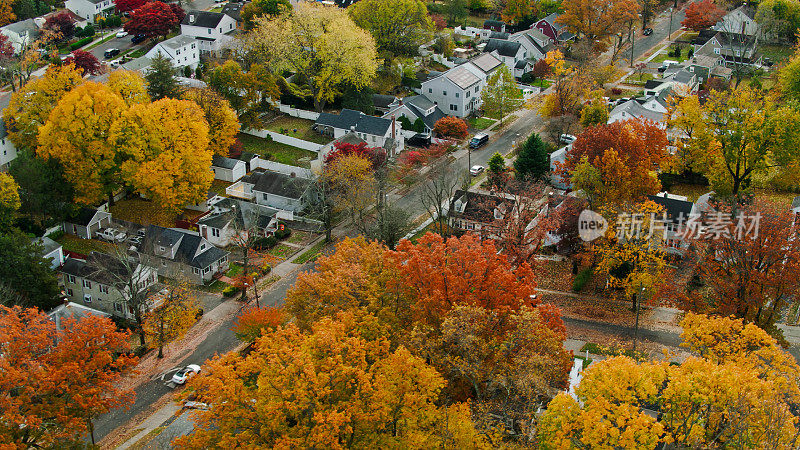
<point>636,301</point>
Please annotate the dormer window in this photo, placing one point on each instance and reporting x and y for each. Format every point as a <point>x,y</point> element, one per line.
<point>161,249</point>
<point>202,246</point>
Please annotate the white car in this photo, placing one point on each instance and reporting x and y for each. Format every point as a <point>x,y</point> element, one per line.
<point>567,139</point>
<point>184,374</point>
<point>475,170</point>
<point>122,34</point>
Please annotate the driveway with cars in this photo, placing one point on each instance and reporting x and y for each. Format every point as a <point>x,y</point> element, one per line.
<point>122,44</point>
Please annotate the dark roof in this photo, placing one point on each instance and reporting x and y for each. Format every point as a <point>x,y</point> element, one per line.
<point>419,104</point>
<point>652,84</point>
<point>675,208</point>
<point>684,76</point>
<point>551,19</point>
<point>234,10</point>
<point>383,101</point>
<point>205,19</point>
<point>704,36</point>
<point>349,118</point>
<point>521,64</point>
<point>225,163</point>
<point>504,48</point>
<point>493,23</point>
<point>83,217</point>
<point>98,267</point>
<point>188,246</point>
<point>747,11</point>
<point>796,202</point>
<point>277,183</point>
<point>479,207</point>
<point>498,35</point>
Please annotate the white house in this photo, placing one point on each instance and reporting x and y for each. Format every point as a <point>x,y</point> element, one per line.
<point>213,30</point>
<point>86,222</point>
<point>21,34</point>
<point>513,54</point>
<point>634,109</point>
<point>90,10</point>
<point>233,217</point>
<point>7,150</point>
<point>741,20</point>
<point>212,198</point>
<point>376,131</point>
<point>181,50</point>
<point>536,43</point>
<point>483,65</point>
<point>51,250</point>
<point>417,107</point>
<point>457,91</point>
<point>274,190</point>
<point>228,169</point>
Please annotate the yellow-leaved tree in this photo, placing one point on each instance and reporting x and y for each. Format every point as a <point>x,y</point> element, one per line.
<point>129,85</point>
<point>221,118</point>
<point>77,135</point>
<point>9,201</point>
<point>164,146</point>
<point>175,312</point>
<point>30,107</point>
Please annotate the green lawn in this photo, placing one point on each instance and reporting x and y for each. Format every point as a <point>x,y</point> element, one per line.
<point>234,270</point>
<point>274,151</point>
<point>297,128</point>
<point>283,251</point>
<point>663,55</point>
<point>777,53</point>
<point>310,254</point>
<point>542,83</point>
<point>481,123</point>
<point>639,80</point>
<point>216,287</point>
<point>84,246</point>
<point>219,186</point>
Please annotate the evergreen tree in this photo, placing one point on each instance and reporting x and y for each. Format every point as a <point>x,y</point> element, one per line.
<point>161,80</point>
<point>532,160</point>
<point>497,164</point>
<point>25,276</point>
<point>359,99</point>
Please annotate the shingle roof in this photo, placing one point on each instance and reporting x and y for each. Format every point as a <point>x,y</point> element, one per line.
<point>420,101</point>
<point>634,109</point>
<point>652,84</point>
<point>675,208</point>
<point>98,267</point>
<point>73,310</point>
<point>349,118</point>
<point>498,35</point>
<point>684,76</point>
<point>233,9</point>
<point>277,184</point>
<point>521,64</point>
<point>479,207</point>
<point>383,101</point>
<point>22,26</point>
<point>48,245</point>
<point>187,248</point>
<point>462,77</point>
<point>419,104</point>
<point>551,19</point>
<point>205,19</point>
<point>178,41</point>
<point>83,217</point>
<point>504,48</point>
<point>493,23</point>
<point>486,62</point>
<point>225,163</point>
<point>796,202</point>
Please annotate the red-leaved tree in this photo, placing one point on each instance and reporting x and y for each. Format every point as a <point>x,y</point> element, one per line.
<point>376,155</point>
<point>84,61</point>
<point>152,19</point>
<point>178,11</point>
<point>703,14</point>
<point>61,23</point>
<point>451,128</point>
<point>439,22</point>
<point>128,5</point>
<point>6,49</point>
<point>541,69</point>
<point>255,321</point>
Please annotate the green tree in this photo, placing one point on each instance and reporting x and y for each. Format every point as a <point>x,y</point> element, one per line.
<point>532,161</point>
<point>9,201</point>
<point>398,26</point>
<point>595,112</point>
<point>789,78</point>
<point>26,273</point>
<point>501,95</point>
<point>456,11</point>
<point>161,80</point>
<point>259,8</point>
<point>359,99</point>
<point>588,179</point>
<point>497,169</point>
<point>45,193</point>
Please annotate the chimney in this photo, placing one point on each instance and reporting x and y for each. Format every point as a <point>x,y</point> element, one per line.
<point>191,18</point>
<point>352,128</point>
<point>393,125</point>
<point>293,175</point>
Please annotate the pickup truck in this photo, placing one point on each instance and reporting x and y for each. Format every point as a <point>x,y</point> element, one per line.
<point>111,235</point>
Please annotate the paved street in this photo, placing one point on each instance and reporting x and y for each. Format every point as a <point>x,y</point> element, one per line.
<point>121,43</point>
<point>660,26</point>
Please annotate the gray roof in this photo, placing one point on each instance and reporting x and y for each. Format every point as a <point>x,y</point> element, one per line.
<point>23,26</point>
<point>99,267</point>
<point>277,183</point>
<point>73,310</point>
<point>684,76</point>
<point>634,109</point>
<point>675,208</point>
<point>521,64</point>
<point>3,131</point>
<point>138,64</point>
<point>504,48</point>
<point>240,211</point>
<point>796,202</point>
<point>420,102</point>
<point>225,163</point>
<point>233,9</point>
<point>551,19</point>
<point>486,62</point>
<point>179,41</point>
<point>462,77</point>
<point>82,217</point>
<point>498,35</point>
<point>652,84</point>
<point>383,101</point>
<point>187,249</point>
<point>349,118</point>
<point>746,10</point>
<point>48,245</point>
<point>205,19</point>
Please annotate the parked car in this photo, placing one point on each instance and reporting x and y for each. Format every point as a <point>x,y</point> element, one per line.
<point>141,232</point>
<point>122,34</point>
<point>567,139</point>
<point>479,140</point>
<point>136,240</point>
<point>647,31</point>
<point>138,38</point>
<point>110,53</point>
<point>476,170</point>
<point>666,65</point>
<point>115,64</point>
<point>111,235</point>
<point>184,374</point>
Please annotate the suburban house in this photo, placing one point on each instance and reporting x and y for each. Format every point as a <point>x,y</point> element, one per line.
<point>677,209</point>
<point>383,103</point>
<point>555,31</point>
<point>21,34</point>
<point>473,32</point>
<point>557,158</point>
<point>494,25</point>
<point>100,282</point>
<point>274,190</point>
<point>90,10</point>
<point>377,131</point>
<point>513,54</point>
<point>483,65</point>
<point>51,250</point>
<point>181,51</point>
<point>705,67</point>
<point>731,49</point>
<point>234,9</point>
<point>478,213</point>
<point>536,43</point>
<point>86,222</point>
<point>71,310</point>
<point>184,254</point>
<point>7,149</point>
<point>212,198</point>
<point>228,169</point>
<point>232,217</point>
<point>417,107</point>
<point>213,30</point>
<point>741,20</point>
<point>457,91</point>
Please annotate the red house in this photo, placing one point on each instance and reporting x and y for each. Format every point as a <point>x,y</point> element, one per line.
<point>553,30</point>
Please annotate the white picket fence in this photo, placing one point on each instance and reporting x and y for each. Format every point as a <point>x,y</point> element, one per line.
<point>472,32</point>
<point>442,60</point>
<point>288,140</point>
<point>301,113</point>
<point>302,172</point>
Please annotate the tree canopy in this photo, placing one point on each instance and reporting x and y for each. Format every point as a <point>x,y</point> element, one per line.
<point>398,26</point>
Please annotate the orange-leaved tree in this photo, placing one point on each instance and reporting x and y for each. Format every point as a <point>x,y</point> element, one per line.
<point>341,385</point>
<point>703,14</point>
<point>57,376</point>
<point>255,321</point>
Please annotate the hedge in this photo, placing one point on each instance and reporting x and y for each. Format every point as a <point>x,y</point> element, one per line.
<point>78,44</point>
<point>230,291</point>
<point>581,279</point>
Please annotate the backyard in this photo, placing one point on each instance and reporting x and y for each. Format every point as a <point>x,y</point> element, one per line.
<point>84,246</point>
<point>777,53</point>
<point>480,123</point>
<point>275,151</point>
<point>143,212</point>
<point>297,128</point>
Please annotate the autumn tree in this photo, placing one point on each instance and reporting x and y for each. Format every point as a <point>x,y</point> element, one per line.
<point>152,19</point>
<point>260,8</point>
<point>780,17</point>
<point>77,135</point>
<point>128,5</point>
<point>7,13</point>
<point>62,24</point>
<point>520,231</point>
<point>562,104</point>
<point>84,61</point>
<point>639,143</point>
<point>398,26</point>
<point>175,311</point>
<point>322,45</point>
<point>6,49</point>
<point>501,95</point>
<point>58,376</point>
<point>596,112</point>
<point>221,118</point>
<point>451,128</point>
<point>160,76</point>
<point>789,78</point>
<point>533,160</point>
<point>694,136</point>
<point>353,187</point>
<point>362,393</point>
<point>597,20</point>
<point>30,107</point>
<point>256,321</point>
<point>166,151</point>
<point>129,85</point>
<point>248,93</point>
<point>702,14</point>
<point>9,201</point>
<point>516,11</point>
<point>375,155</point>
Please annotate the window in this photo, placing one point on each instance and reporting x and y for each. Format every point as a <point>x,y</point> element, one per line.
<point>69,292</point>
<point>163,263</point>
<point>74,229</point>
<point>430,90</point>
<point>453,107</point>
<point>205,271</point>
<point>220,29</point>
<point>71,279</point>
<point>202,246</point>
<point>215,232</point>
<point>476,89</point>
<point>103,289</point>
<point>87,284</point>
<point>716,51</point>
<point>196,271</point>
<point>192,46</point>
<point>373,138</point>
<point>161,249</point>
<point>444,93</point>
<point>87,298</point>
<point>223,260</point>
<point>209,31</point>
<point>468,94</point>
<point>456,94</point>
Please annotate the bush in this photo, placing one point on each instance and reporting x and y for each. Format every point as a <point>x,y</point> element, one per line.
<point>451,127</point>
<point>78,44</point>
<point>616,91</point>
<point>231,291</point>
<point>113,21</point>
<point>265,243</point>
<point>581,279</point>
<point>56,235</point>
<point>283,234</point>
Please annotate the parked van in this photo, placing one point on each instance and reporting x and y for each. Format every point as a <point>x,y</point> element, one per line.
<point>479,140</point>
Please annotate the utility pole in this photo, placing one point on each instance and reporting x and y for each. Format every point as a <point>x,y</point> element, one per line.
<point>633,44</point>
<point>636,301</point>
<point>669,36</point>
